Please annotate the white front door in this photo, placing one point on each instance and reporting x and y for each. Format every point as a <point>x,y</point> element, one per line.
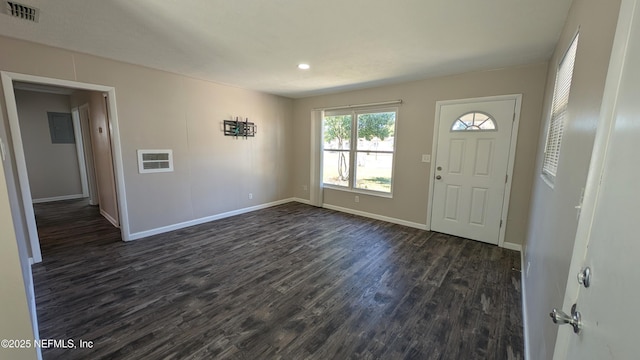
<point>608,239</point>
<point>472,154</point>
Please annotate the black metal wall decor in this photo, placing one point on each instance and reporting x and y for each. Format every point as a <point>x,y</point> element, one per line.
<point>239,128</point>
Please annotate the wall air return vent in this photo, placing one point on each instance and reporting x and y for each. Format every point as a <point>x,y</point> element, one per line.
<point>153,161</point>
<point>23,12</point>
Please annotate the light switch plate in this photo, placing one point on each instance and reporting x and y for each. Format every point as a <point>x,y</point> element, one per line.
<point>426,158</point>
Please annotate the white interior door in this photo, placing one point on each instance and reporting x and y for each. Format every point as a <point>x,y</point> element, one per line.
<point>473,145</point>
<point>607,239</point>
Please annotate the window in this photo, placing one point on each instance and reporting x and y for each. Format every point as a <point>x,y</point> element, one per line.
<point>358,149</point>
<point>559,111</point>
<point>474,121</point>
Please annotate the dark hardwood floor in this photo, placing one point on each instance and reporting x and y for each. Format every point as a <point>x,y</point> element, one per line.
<point>288,282</point>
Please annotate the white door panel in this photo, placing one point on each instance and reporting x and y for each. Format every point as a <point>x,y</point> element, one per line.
<point>452,203</point>
<point>607,238</point>
<point>478,206</point>
<point>456,157</point>
<point>470,171</point>
<point>483,157</point>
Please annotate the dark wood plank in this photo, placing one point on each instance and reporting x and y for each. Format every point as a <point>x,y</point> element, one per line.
<point>289,282</point>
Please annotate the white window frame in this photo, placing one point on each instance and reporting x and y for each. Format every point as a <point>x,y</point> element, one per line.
<point>559,111</point>
<point>353,149</point>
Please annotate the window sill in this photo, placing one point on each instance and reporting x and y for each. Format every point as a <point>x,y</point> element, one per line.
<point>549,180</point>
<point>359,191</point>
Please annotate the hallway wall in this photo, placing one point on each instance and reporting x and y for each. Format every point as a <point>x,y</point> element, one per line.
<point>53,168</point>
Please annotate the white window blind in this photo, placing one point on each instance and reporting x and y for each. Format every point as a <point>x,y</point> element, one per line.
<point>559,111</point>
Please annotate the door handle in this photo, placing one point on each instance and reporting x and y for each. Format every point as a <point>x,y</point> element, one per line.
<point>575,319</point>
<point>584,277</point>
<point>438,177</point>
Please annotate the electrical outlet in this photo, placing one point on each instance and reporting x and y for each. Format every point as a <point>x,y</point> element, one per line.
<point>250,196</point>
<point>305,187</point>
<point>426,158</point>
<point>357,199</point>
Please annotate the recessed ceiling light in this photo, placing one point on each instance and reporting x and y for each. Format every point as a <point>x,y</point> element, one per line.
<point>303,66</point>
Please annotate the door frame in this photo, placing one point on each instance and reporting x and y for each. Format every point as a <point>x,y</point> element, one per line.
<point>510,163</point>
<point>88,154</point>
<point>7,84</point>
<point>597,164</point>
<point>82,165</point>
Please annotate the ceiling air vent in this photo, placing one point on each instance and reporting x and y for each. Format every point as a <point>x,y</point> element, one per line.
<point>23,12</point>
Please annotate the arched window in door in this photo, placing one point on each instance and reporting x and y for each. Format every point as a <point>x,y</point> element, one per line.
<point>474,121</point>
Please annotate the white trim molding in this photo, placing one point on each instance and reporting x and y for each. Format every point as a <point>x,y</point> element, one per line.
<point>7,84</point>
<point>178,226</point>
<point>302,201</point>
<point>58,198</point>
<point>77,133</point>
<point>525,322</point>
<point>376,216</point>
<point>109,218</point>
<point>512,246</point>
<point>182,225</point>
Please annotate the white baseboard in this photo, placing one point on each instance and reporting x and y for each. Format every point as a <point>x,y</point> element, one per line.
<point>300,200</point>
<point>110,218</point>
<point>512,246</point>
<point>164,229</point>
<point>376,216</point>
<point>525,323</point>
<point>57,198</point>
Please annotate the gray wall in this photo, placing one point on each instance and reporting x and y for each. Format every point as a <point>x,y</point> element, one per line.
<point>53,168</point>
<point>553,223</point>
<point>415,137</point>
<point>160,110</point>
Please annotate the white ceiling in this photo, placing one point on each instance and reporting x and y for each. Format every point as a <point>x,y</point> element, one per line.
<point>257,44</point>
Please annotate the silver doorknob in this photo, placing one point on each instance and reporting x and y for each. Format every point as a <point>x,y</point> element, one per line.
<point>575,319</point>
<point>584,277</point>
<point>438,177</point>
